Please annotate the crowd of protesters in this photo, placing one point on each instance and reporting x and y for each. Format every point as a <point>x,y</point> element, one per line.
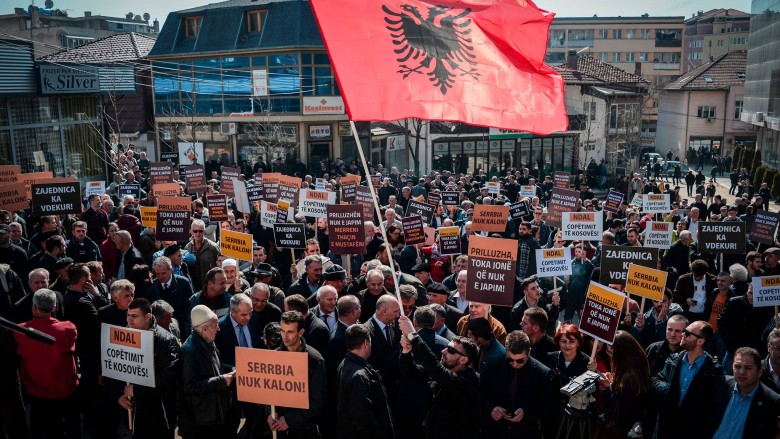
<point>701,363</point>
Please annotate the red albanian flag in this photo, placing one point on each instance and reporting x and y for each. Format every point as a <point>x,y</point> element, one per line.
<point>479,62</point>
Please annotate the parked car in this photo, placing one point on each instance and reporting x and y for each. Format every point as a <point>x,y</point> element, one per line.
<point>651,157</point>
<point>669,168</point>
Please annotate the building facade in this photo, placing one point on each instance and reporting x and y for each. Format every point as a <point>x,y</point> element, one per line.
<point>711,34</point>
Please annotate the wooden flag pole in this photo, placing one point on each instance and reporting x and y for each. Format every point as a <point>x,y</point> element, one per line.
<point>376,208</point>
<point>273,416</point>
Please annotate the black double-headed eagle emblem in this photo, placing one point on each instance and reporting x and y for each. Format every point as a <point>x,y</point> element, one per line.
<point>438,45</point>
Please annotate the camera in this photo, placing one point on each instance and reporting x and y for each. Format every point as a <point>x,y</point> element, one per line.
<point>580,390</point>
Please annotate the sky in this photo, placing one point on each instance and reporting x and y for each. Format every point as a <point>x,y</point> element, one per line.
<point>562,8</point>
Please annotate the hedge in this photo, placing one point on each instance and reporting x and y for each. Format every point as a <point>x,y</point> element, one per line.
<point>758,177</point>
<point>776,187</point>
<point>756,163</point>
<point>736,158</point>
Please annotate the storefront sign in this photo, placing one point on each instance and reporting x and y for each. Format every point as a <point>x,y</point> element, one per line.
<point>226,185</point>
<point>561,200</point>
<point>235,245</point>
<point>345,129</point>
<point>13,197</point>
<point>450,198</point>
<point>346,230</point>
<point>519,210</point>
<point>10,173</point>
<point>658,234</point>
<point>615,260</point>
<point>149,216</point>
<point>413,230</point>
<point>646,282</point>
<point>315,203</point>
<point>601,314</point>
<point>56,198</point>
<point>561,180</point>
<point>582,226</point>
<point>423,209</point>
<point>721,237</point>
<point>323,105</point>
<point>217,206</point>
<point>766,291</point>
<point>656,203</point>
<point>127,355</point>
<point>764,227</point>
<point>319,131</point>
<point>196,179</point>
<point>449,241</point>
<point>62,79</point>
<point>490,218</point>
<point>553,262</point>
<point>277,378</point>
<point>290,235</point>
<point>173,218</point>
<point>491,270</point>
<point>613,202</point>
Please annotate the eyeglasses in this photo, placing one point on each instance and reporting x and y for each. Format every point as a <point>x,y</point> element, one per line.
<point>687,333</point>
<point>197,231</point>
<point>518,361</point>
<point>452,351</point>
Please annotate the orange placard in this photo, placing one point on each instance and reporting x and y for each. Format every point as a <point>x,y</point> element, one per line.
<point>174,204</point>
<point>350,178</point>
<point>166,189</point>
<point>13,197</point>
<point>277,378</point>
<point>149,216</point>
<point>125,337</point>
<point>9,173</point>
<point>489,218</point>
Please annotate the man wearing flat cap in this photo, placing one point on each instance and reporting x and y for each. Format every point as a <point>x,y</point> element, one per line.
<point>438,294</point>
<point>265,274</point>
<point>422,272</point>
<point>771,265</point>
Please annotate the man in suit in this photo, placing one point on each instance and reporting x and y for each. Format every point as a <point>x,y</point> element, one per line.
<point>490,350</point>
<point>325,309</point>
<point>752,407</point>
<point>262,307</point>
<point>385,345</point>
<point>129,255</point>
<point>439,325</point>
<point>239,328</point>
<point>692,289</point>
<point>771,364</point>
<point>315,332</point>
<point>174,289</point>
<point>679,254</point>
<point>438,294</point>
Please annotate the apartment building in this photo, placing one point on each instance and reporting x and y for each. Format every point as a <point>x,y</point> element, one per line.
<point>711,34</point>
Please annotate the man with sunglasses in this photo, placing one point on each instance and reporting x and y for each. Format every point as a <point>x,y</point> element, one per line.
<point>690,388</point>
<point>205,251</point>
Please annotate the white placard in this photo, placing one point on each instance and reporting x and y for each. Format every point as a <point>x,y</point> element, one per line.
<point>582,226</point>
<point>127,355</point>
<point>95,187</point>
<point>528,191</point>
<point>493,187</point>
<point>553,262</point>
<point>655,203</point>
<point>320,184</point>
<point>636,200</point>
<point>766,291</point>
<point>268,213</point>
<point>242,200</point>
<point>658,234</point>
<point>315,203</point>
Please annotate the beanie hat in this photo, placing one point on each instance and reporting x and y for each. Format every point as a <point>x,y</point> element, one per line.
<point>201,314</point>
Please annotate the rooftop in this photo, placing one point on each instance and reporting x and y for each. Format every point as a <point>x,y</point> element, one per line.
<point>720,74</point>
<point>130,46</point>
<point>592,71</point>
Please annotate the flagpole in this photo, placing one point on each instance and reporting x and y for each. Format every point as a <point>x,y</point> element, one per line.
<point>376,208</point>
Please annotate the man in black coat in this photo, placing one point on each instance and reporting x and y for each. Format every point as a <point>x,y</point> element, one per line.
<point>691,383</point>
<point>680,253</point>
<point>385,345</point>
<point>311,280</point>
<point>771,364</point>
<point>438,294</point>
<point>174,289</point>
<point>129,255</point>
<point>315,331</point>
<point>363,411</point>
<point>741,324</point>
<point>122,294</point>
<point>262,307</point>
<point>81,247</point>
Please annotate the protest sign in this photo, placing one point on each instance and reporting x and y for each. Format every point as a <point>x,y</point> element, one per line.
<point>637,200</point>
<point>348,192</point>
<point>528,191</point>
<point>289,188</point>
<point>149,216</point>
<point>173,218</point>
<point>217,206</point>
<point>601,313</point>
<point>350,178</point>
<point>254,193</point>
<point>363,197</point>
<point>450,198</point>
<point>56,198</point>
<point>166,190</point>
<point>489,218</point>
<point>124,189</point>
<point>240,197</point>
<point>561,200</point>
<point>646,282</point>
<point>519,210</point>
<point>449,241</point>
<point>10,174</point>
<point>13,197</point>
<point>235,245</point>
<point>764,227</point>
<point>160,172</point>
<point>290,235</point>
<point>493,187</point>
<point>721,237</point>
<point>94,188</point>
<point>413,230</point>
<point>268,213</point>
<point>127,355</point>
<point>658,234</point>
<point>615,260</point>
<point>430,235</point>
<point>195,176</point>
<point>561,180</point>
<point>315,203</point>
<point>434,198</point>
<point>582,226</point>
<point>346,230</point>
<point>277,378</point>
<point>656,203</point>
<point>376,181</point>
<point>423,209</point>
<point>613,202</point>
<point>320,184</point>
<point>271,186</point>
<point>553,262</point>
<point>170,156</point>
<point>766,291</point>
<point>491,270</point>
<point>227,177</point>
<point>32,177</point>
<point>282,211</point>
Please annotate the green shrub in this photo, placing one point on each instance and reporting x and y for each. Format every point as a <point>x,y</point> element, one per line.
<point>776,187</point>
<point>747,159</point>
<point>756,162</point>
<point>736,157</point>
<point>759,175</point>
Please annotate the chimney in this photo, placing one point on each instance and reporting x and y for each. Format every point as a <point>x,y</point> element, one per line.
<point>87,13</point>
<point>156,26</point>
<point>571,60</point>
<point>638,68</point>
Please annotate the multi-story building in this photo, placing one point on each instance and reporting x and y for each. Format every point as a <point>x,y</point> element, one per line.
<point>702,110</point>
<point>711,34</point>
<point>50,29</point>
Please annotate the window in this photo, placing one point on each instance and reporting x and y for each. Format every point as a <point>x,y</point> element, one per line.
<point>71,42</point>
<point>737,110</point>
<point>623,116</point>
<point>706,112</point>
<point>695,44</point>
<point>617,34</point>
<point>631,34</point>
<point>589,108</point>
<point>694,55</point>
<point>644,56</point>
<point>557,38</point>
<point>604,57</point>
<point>630,57</point>
<point>192,26</point>
<point>254,21</point>
<point>645,34</point>
<point>739,41</point>
<point>720,43</point>
<point>603,34</point>
<point>616,57</point>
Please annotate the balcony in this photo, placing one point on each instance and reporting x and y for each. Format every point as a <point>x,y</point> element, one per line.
<point>666,66</point>
<point>581,43</point>
<point>667,43</point>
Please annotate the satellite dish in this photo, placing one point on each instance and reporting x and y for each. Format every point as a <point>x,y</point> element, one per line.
<point>137,18</point>
<point>49,4</point>
<point>147,16</point>
<point>129,16</point>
